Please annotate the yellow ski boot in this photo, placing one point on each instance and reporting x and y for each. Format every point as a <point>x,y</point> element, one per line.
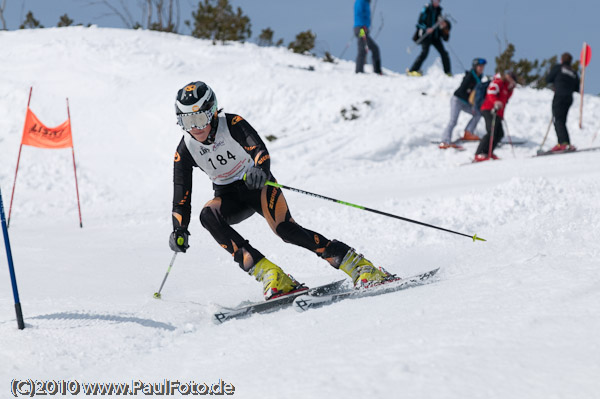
<point>414,73</point>
<point>275,282</point>
<point>362,271</point>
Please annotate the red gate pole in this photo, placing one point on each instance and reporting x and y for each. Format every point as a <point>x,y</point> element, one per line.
<point>585,59</point>
<point>18,160</point>
<point>74,167</point>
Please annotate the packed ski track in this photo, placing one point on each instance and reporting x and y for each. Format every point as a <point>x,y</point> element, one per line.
<point>513,317</point>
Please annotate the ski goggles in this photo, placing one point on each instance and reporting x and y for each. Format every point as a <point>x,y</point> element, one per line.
<point>198,120</point>
<point>479,61</point>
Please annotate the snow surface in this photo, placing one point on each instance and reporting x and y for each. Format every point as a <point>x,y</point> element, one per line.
<point>515,317</point>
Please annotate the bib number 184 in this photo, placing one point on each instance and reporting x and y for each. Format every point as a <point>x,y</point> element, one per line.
<point>221,159</point>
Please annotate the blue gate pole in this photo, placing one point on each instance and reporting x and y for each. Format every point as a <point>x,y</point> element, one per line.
<point>13,279</point>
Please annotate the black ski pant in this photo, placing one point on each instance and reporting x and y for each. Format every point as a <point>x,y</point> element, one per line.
<point>439,46</point>
<point>492,121</point>
<point>560,109</point>
<point>234,203</point>
<point>363,43</point>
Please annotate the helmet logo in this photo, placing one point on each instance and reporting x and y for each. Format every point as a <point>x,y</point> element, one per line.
<point>195,108</point>
<point>190,88</point>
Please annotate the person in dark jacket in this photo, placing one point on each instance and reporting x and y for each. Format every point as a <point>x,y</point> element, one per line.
<point>565,81</point>
<point>461,102</point>
<point>427,20</point>
<point>362,26</point>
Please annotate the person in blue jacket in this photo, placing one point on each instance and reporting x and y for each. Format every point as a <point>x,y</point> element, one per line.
<point>362,26</point>
<point>429,17</point>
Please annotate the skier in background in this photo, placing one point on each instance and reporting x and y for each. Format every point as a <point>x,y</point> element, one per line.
<point>429,16</point>
<point>565,81</point>
<point>232,154</point>
<point>463,100</point>
<point>498,93</point>
<point>362,26</point>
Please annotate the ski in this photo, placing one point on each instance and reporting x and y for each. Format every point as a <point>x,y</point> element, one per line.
<point>454,146</point>
<point>272,305</point>
<point>455,142</point>
<point>307,301</point>
<point>473,162</point>
<point>545,153</point>
<point>501,143</point>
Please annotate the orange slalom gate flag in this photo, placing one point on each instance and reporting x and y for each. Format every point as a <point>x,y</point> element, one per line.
<point>36,134</point>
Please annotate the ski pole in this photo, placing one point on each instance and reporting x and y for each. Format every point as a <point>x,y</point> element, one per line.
<point>420,40</point>
<point>492,137</point>
<point>11,267</point>
<point>346,48</point>
<point>546,136</point>
<point>512,147</point>
<point>157,294</point>
<point>456,56</point>
<point>273,184</point>
<point>585,59</point>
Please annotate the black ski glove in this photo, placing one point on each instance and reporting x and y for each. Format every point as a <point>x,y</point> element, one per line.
<point>255,178</point>
<point>178,241</point>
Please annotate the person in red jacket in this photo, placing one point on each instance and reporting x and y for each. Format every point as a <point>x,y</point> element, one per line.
<point>498,93</point>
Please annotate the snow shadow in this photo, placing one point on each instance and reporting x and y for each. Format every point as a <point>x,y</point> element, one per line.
<point>106,317</point>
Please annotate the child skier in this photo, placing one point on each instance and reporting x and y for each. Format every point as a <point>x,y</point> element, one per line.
<point>496,98</point>
<point>227,149</point>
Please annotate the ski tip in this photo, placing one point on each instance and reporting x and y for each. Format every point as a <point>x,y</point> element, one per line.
<point>475,238</point>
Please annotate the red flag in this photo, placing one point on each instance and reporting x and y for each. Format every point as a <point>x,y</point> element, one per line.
<point>586,55</point>
<point>36,134</point>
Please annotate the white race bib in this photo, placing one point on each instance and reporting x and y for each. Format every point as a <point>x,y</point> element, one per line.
<point>224,161</point>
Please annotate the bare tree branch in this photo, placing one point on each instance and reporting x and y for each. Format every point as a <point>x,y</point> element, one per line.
<point>125,16</point>
<point>131,20</point>
<point>2,14</point>
<point>178,6</point>
<point>160,12</point>
<point>149,20</point>
<point>170,20</point>
<point>161,15</point>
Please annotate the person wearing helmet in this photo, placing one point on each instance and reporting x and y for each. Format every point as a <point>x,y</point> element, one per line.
<point>236,160</point>
<point>498,93</point>
<point>434,33</point>
<point>462,100</point>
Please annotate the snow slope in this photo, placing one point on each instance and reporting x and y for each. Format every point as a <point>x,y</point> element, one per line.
<point>516,316</point>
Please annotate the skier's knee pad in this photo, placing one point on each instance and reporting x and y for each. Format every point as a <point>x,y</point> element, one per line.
<point>209,219</point>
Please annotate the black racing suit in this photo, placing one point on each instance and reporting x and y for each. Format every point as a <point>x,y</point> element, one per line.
<point>429,17</point>
<point>565,81</point>
<point>234,203</point>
